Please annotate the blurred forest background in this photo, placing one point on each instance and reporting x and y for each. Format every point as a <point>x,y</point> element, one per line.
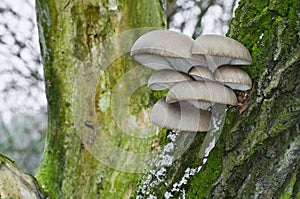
<point>23,106</point>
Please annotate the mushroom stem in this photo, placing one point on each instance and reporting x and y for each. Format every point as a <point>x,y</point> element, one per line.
<point>212,65</point>
<point>218,112</point>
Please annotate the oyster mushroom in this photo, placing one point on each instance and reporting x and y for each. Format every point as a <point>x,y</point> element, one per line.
<point>220,50</point>
<point>233,77</point>
<point>163,49</point>
<point>163,79</point>
<point>201,92</point>
<point>180,116</point>
<point>186,104</point>
<point>201,73</point>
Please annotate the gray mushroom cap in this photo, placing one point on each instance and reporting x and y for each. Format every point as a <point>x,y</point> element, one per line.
<point>201,73</point>
<point>220,50</point>
<point>163,49</point>
<point>180,116</point>
<point>200,104</point>
<point>233,77</point>
<point>163,79</point>
<point>212,92</point>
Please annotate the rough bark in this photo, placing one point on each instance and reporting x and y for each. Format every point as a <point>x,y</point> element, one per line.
<point>70,33</point>
<point>262,149</point>
<point>257,155</point>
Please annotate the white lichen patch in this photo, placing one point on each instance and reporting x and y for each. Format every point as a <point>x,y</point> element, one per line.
<point>157,175</point>
<point>178,186</point>
<point>211,145</point>
<point>261,36</point>
<point>113,5</point>
<point>104,101</point>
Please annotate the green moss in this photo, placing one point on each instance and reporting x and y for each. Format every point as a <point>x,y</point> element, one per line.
<point>289,188</point>
<point>146,16</point>
<point>267,29</point>
<point>202,183</point>
<point>49,168</point>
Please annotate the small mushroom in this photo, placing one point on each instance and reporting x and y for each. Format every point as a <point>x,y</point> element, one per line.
<point>163,49</point>
<point>220,50</point>
<point>163,79</point>
<point>201,73</point>
<point>233,77</point>
<point>209,92</point>
<point>180,116</point>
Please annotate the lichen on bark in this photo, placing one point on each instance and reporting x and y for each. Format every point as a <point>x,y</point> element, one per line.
<point>69,34</point>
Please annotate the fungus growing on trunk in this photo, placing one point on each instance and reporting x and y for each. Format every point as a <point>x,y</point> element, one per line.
<point>163,79</point>
<point>180,116</point>
<point>220,50</point>
<point>206,85</point>
<point>201,73</point>
<point>201,91</point>
<point>162,49</point>
<point>233,77</point>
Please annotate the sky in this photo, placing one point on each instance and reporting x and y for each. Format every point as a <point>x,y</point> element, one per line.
<point>19,51</point>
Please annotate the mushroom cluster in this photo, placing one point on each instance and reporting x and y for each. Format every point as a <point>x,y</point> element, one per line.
<point>198,73</point>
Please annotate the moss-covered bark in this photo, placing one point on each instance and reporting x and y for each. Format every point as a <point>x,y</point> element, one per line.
<point>259,150</point>
<point>262,149</point>
<point>69,32</point>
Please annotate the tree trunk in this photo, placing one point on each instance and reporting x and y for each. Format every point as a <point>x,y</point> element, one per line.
<point>75,38</point>
<point>261,147</point>
<point>258,154</point>
<point>87,153</point>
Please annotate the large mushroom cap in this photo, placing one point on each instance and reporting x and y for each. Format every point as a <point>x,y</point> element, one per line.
<point>163,49</point>
<point>201,73</point>
<point>220,50</point>
<point>200,104</point>
<point>180,116</point>
<point>201,91</point>
<point>233,77</point>
<point>163,79</point>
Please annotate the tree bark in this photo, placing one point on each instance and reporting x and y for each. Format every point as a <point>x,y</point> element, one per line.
<point>261,147</point>
<point>14,183</point>
<point>257,155</point>
<point>72,34</point>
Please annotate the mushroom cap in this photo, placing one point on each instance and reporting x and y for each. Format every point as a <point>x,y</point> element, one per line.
<point>220,50</point>
<point>180,116</point>
<point>202,91</point>
<point>200,104</point>
<point>233,77</point>
<point>163,49</point>
<point>201,73</point>
<point>163,79</point>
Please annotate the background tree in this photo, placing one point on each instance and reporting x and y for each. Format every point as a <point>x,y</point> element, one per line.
<point>194,17</point>
<point>257,155</point>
